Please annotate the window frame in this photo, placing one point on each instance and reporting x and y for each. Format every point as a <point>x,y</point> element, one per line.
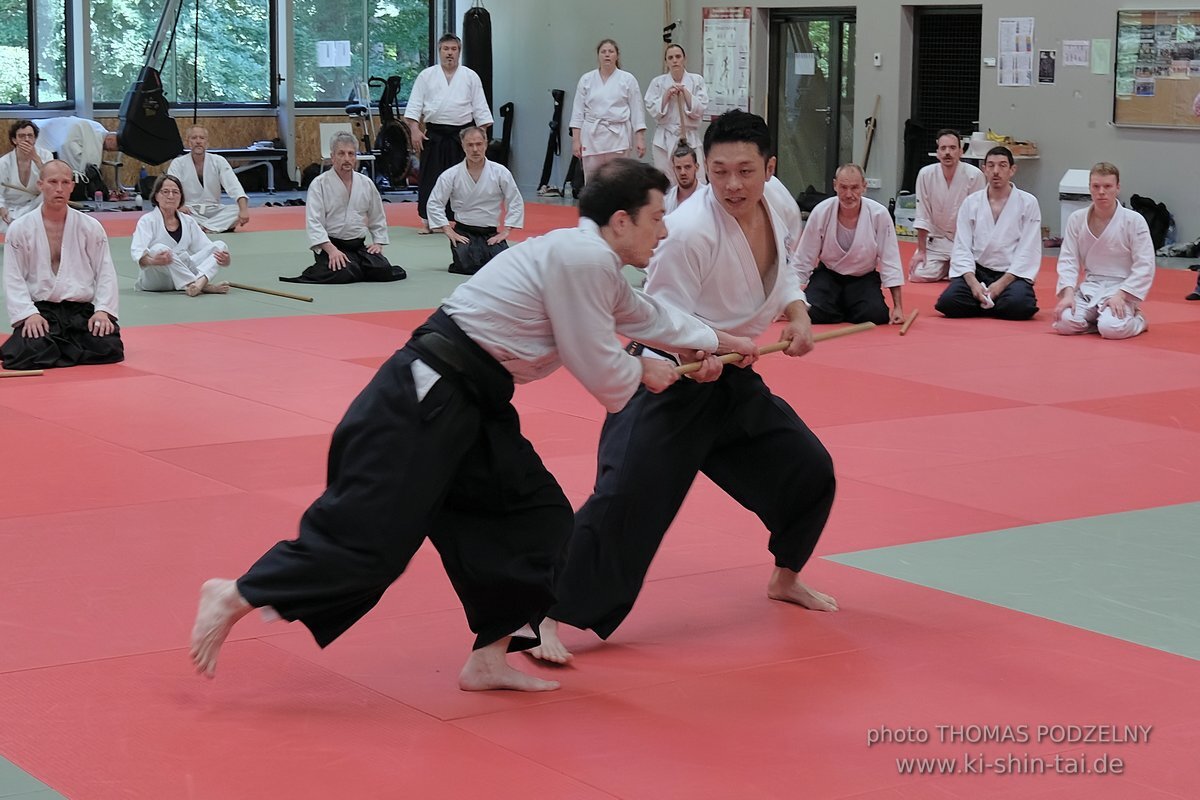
<point>31,29</point>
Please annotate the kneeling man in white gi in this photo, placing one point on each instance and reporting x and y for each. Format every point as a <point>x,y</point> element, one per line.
<point>1113,246</point>
<point>203,175</point>
<point>59,284</point>
<point>847,252</point>
<point>342,207</point>
<point>477,191</point>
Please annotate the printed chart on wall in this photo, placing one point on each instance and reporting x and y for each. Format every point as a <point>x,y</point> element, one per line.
<point>1014,51</point>
<point>1158,69</point>
<point>727,59</point>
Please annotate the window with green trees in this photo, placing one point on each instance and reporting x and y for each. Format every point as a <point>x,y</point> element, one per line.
<point>233,50</point>
<point>47,83</point>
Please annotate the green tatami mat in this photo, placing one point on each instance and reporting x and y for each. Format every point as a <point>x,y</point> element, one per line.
<point>1130,575</point>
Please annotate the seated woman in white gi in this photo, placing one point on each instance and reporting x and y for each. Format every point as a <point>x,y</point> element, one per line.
<point>667,94</point>
<point>1113,246</point>
<point>19,171</point>
<point>847,252</point>
<point>606,115</point>
<point>173,252</point>
<point>60,286</point>
<point>478,191</point>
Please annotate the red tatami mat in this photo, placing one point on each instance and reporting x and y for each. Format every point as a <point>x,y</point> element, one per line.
<point>124,487</point>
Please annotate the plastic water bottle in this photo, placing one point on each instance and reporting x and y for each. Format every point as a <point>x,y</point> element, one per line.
<point>99,198</point>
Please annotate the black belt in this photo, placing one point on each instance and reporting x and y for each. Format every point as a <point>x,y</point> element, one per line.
<point>637,348</point>
<point>458,358</point>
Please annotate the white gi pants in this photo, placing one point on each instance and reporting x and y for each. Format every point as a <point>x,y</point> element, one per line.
<point>184,268</point>
<point>1087,317</point>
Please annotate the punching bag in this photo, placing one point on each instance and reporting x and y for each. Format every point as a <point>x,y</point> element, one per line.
<point>477,46</point>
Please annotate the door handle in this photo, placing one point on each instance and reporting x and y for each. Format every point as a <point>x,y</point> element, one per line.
<point>825,110</point>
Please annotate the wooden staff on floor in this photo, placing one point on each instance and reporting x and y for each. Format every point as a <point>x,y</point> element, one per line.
<point>729,358</point>
<point>908,322</point>
<point>20,373</point>
<point>275,292</point>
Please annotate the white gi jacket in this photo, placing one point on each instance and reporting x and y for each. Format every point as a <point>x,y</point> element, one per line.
<point>204,199</point>
<point>329,212</point>
<point>607,113</point>
<point>1010,243</point>
<point>938,202</point>
<point>85,274</point>
<point>477,203</point>
<point>666,121</point>
<point>20,203</point>
<point>460,101</point>
<point>874,246</point>
<point>193,253</point>
<point>705,267</point>
<point>1120,259</point>
<point>77,141</point>
<point>561,299</point>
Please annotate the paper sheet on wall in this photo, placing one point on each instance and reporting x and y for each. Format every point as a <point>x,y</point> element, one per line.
<point>333,53</point>
<point>1101,56</point>
<point>806,63</point>
<point>1075,53</point>
<point>1014,52</point>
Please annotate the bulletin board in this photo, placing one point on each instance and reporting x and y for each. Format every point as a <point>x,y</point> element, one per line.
<point>1158,69</point>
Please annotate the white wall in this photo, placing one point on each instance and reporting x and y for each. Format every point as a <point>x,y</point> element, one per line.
<point>542,44</point>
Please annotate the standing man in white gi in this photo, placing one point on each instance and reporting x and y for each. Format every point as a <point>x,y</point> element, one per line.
<point>941,189</point>
<point>726,260</point>
<point>80,142</point>
<point>448,97</point>
<point>997,248</point>
<point>342,207</point>
<point>684,167</point>
<point>60,284</point>
<point>433,446</point>
<point>19,172</point>
<point>478,191</point>
<point>848,251</point>
<point>203,175</point>
<point>1111,246</point>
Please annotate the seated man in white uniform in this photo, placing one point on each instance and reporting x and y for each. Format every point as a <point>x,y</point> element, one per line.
<point>342,207</point>
<point>80,142</point>
<point>941,189</point>
<point>203,175</point>
<point>685,167</point>
<point>19,171</point>
<point>171,250</point>
<point>997,248</point>
<point>478,191</point>
<point>847,252</point>
<point>1112,244</point>
<point>59,283</point>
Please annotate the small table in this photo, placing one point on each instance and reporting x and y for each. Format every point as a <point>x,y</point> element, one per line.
<point>257,157</point>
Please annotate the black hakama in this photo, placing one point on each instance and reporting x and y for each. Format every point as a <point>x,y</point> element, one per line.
<point>362,266</point>
<point>452,466</point>
<point>67,344</point>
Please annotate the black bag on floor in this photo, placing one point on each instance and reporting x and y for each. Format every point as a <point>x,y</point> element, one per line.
<point>1157,217</point>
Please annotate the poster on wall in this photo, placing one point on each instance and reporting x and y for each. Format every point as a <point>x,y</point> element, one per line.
<point>1158,68</point>
<point>727,59</point>
<point>1014,52</point>
<point>1047,61</point>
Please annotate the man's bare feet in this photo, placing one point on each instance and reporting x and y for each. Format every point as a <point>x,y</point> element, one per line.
<point>488,668</point>
<point>551,649</point>
<point>194,288</point>
<point>785,585</point>
<point>221,605</point>
<point>216,288</point>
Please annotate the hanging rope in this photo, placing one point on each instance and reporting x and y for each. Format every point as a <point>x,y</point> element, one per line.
<point>196,65</point>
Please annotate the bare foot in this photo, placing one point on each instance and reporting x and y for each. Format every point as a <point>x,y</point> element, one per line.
<point>221,605</point>
<point>216,288</point>
<point>194,288</point>
<point>487,669</point>
<point>785,585</point>
<point>551,649</point>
